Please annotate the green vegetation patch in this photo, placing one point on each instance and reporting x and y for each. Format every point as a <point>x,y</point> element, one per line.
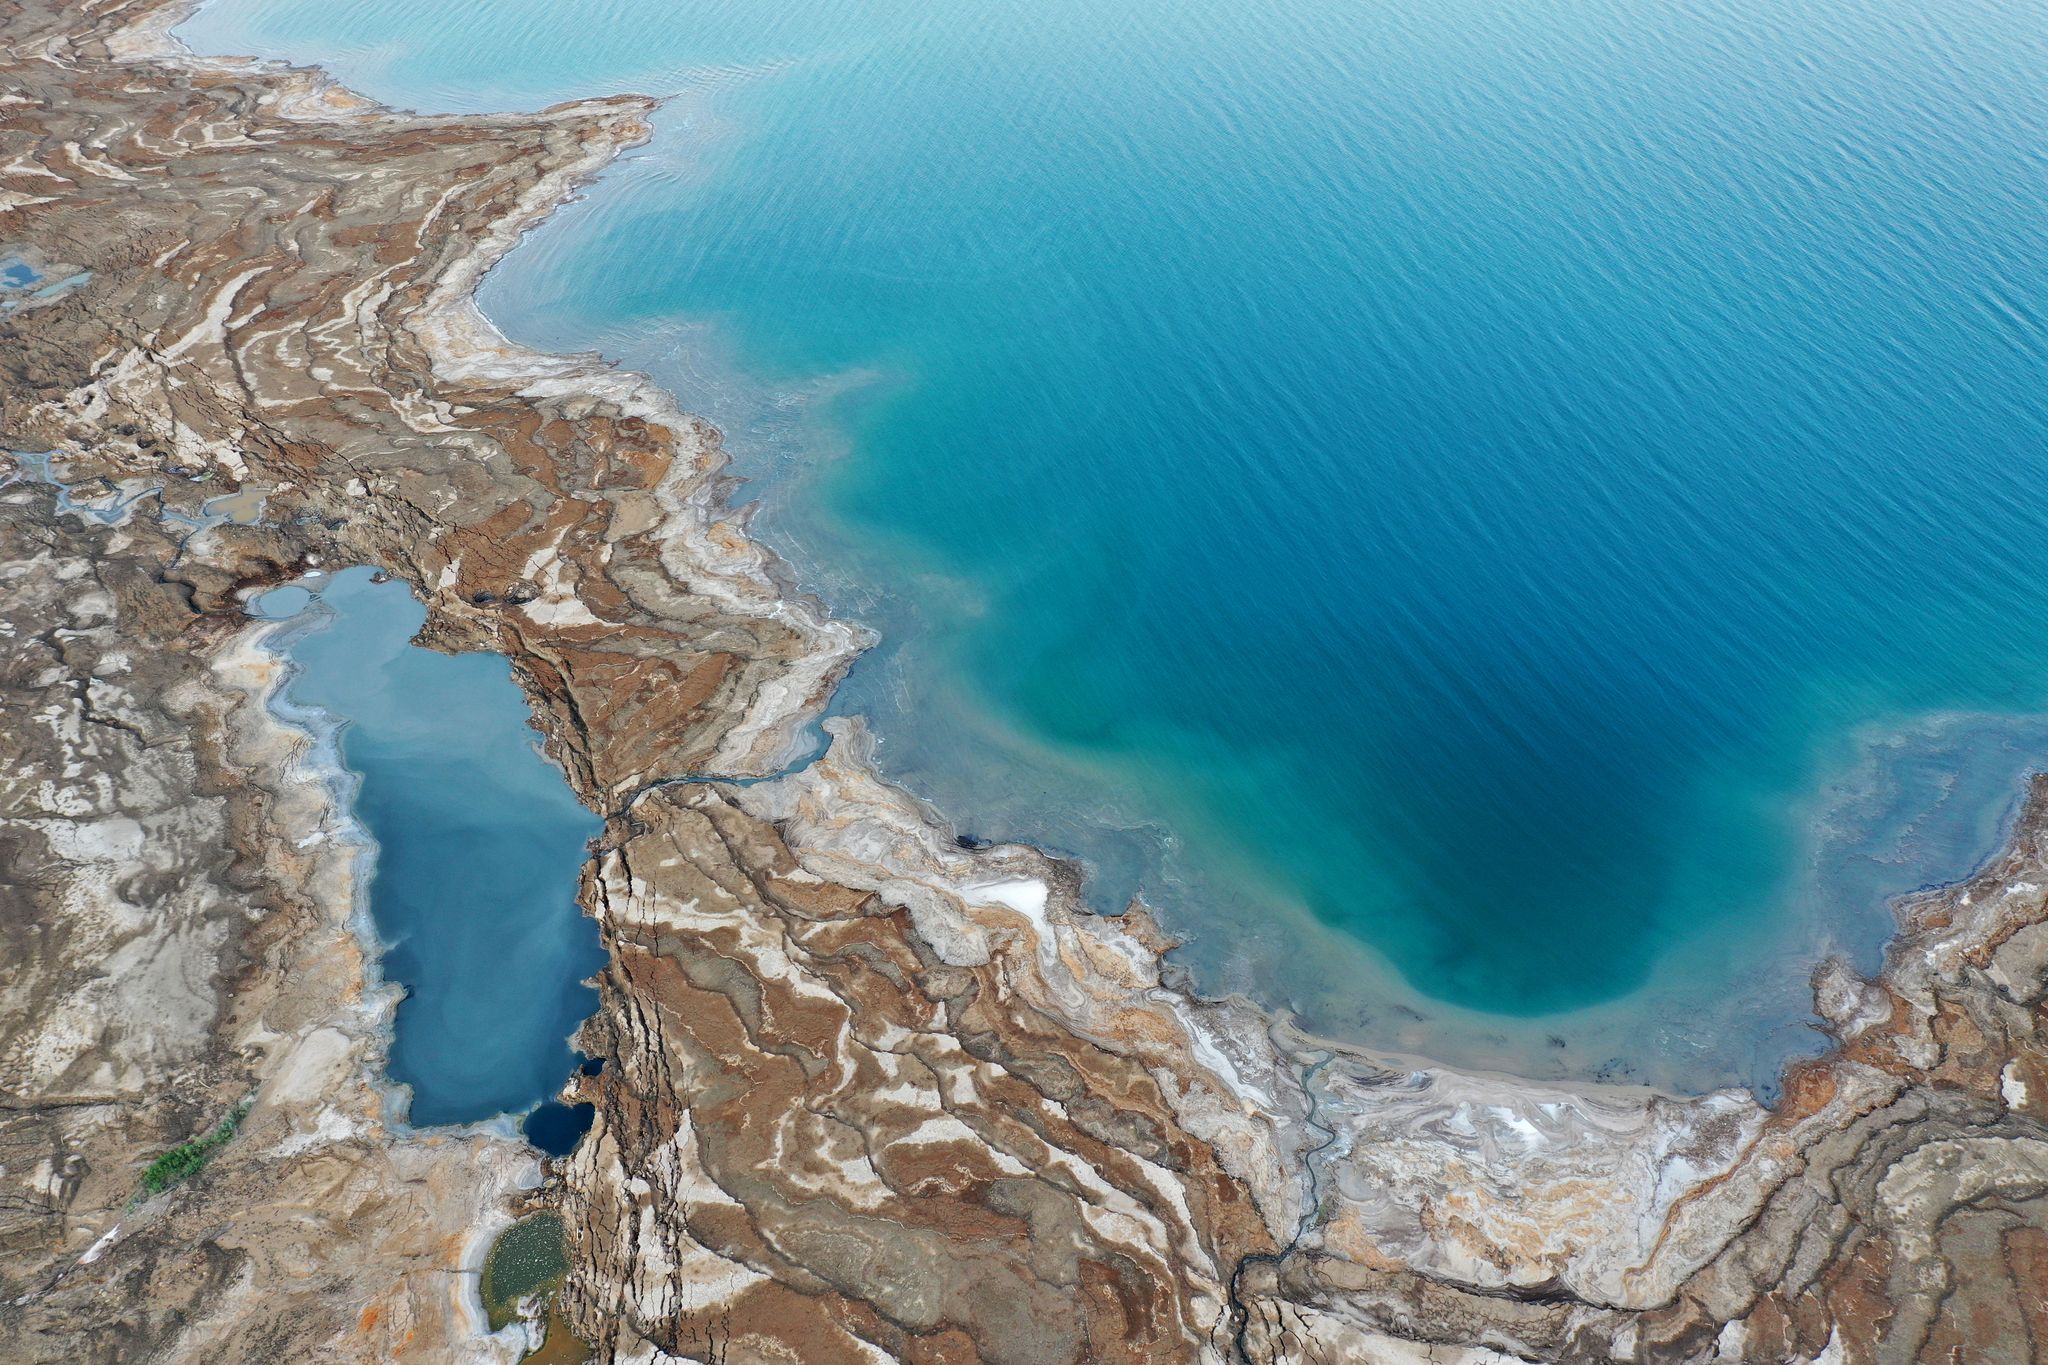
<point>186,1158</point>
<point>530,1257</point>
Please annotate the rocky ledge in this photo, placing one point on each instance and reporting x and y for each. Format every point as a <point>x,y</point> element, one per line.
<point>870,1094</point>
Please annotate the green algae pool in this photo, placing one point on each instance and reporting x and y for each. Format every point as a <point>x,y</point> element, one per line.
<point>529,1258</point>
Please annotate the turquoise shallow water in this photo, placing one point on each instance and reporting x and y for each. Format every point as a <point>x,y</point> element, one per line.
<point>478,848</point>
<point>1509,521</point>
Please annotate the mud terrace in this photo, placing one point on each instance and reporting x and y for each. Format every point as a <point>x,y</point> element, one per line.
<point>871,1095</point>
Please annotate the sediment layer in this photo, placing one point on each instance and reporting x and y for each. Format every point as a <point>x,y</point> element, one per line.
<point>870,1094</point>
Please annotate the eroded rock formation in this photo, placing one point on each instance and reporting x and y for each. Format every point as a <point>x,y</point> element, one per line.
<point>870,1094</point>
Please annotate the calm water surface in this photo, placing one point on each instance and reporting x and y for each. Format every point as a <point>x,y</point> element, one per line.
<point>478,848</point>
<point>1511,522</point>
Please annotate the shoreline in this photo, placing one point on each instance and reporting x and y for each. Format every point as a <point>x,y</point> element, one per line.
<point>1264,1173</point>
<point>467,343</point>
<point>1487,1043</point>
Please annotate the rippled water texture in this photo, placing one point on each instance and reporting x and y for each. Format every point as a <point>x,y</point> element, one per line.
<point>1515,523</point>
<point>479,846</point>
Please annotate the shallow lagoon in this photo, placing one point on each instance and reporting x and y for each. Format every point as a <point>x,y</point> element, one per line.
<point>1502,518</point>
<point>479,845</point>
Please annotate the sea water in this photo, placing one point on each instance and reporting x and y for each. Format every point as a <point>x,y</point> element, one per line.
<point>478,845</point>
<point>1511,522</point>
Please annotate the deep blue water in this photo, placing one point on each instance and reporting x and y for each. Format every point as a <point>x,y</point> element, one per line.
<point>478,848</point>
<point>1510,520</point>
<point>556,1128</point>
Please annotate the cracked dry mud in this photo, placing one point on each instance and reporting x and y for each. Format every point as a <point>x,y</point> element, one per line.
<point>870,1095</point>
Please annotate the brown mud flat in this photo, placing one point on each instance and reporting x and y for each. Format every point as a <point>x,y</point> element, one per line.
<point>869,1095</point>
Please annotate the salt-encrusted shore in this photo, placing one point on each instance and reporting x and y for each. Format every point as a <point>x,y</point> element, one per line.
<point>870,1094</point>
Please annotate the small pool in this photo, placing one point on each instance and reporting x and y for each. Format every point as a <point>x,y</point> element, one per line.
<point>556,1128</point>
